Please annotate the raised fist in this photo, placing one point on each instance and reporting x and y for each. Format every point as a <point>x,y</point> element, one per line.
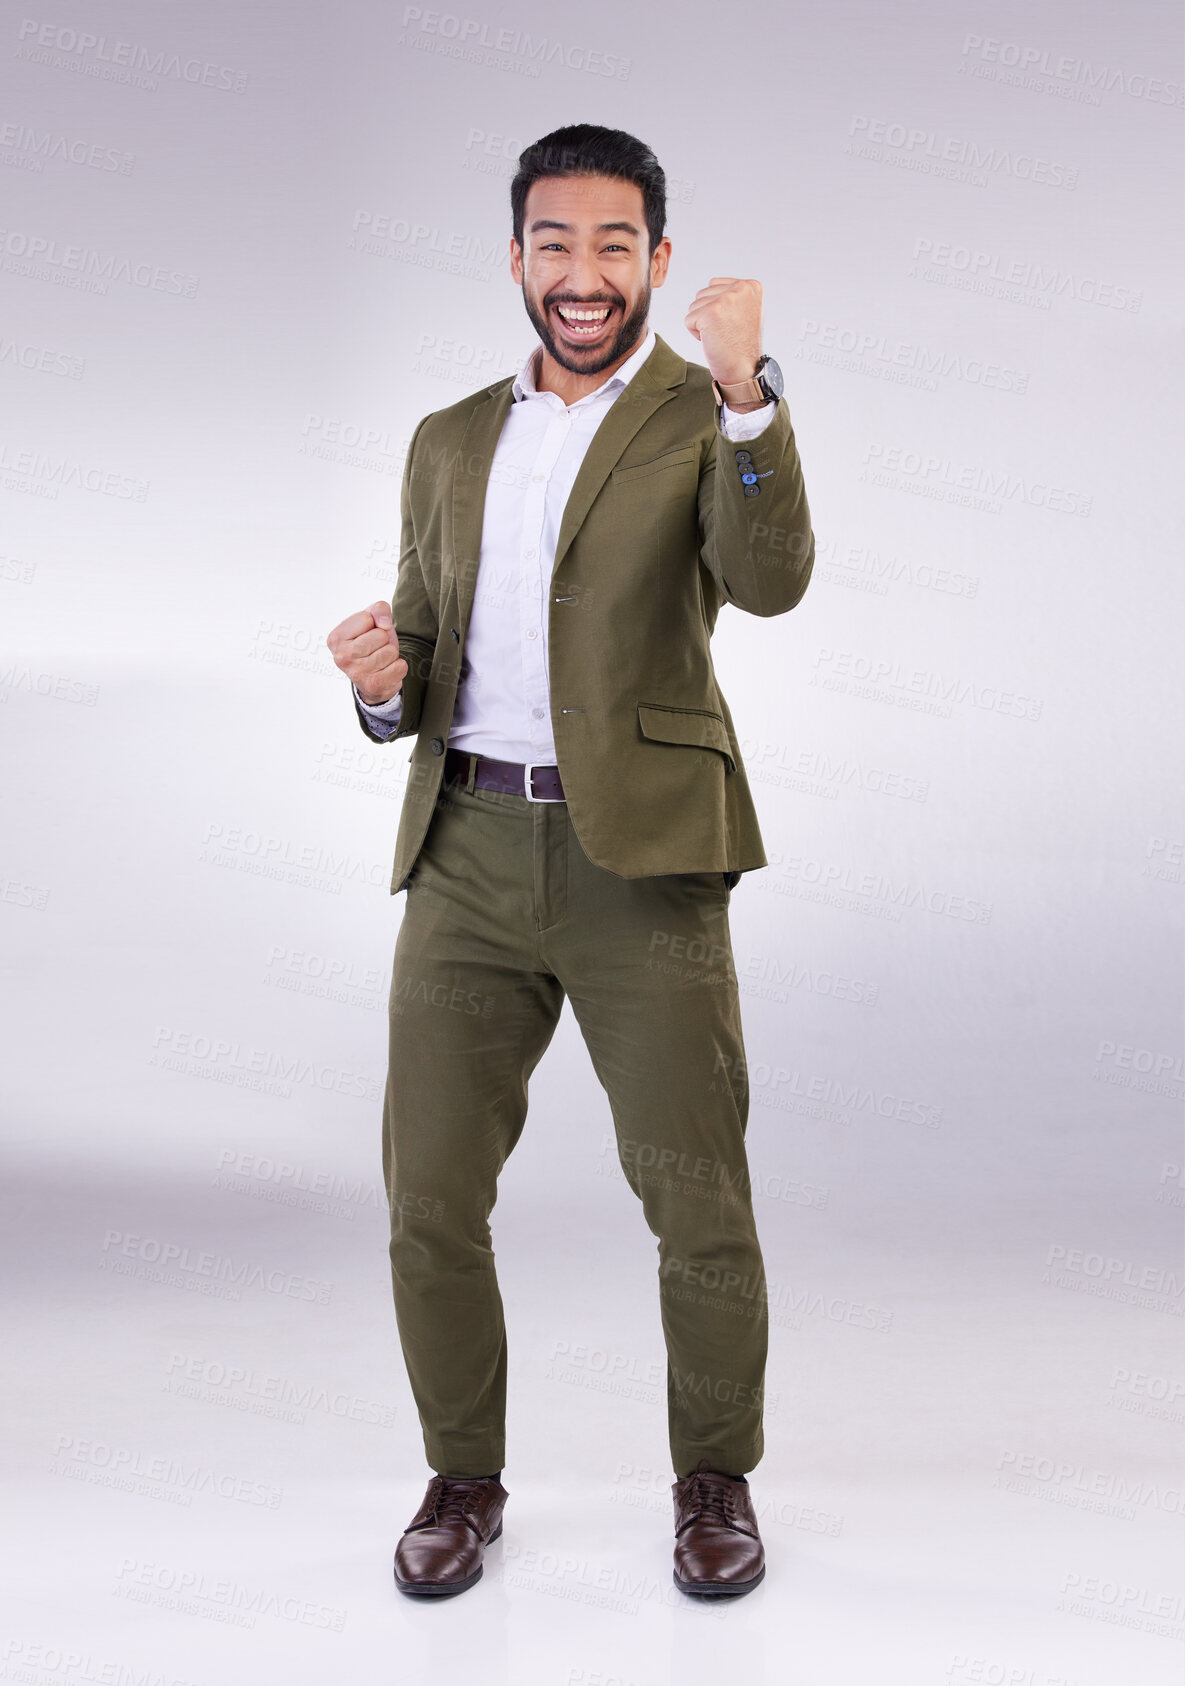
<point>725,317</point>
<point>366,649</point>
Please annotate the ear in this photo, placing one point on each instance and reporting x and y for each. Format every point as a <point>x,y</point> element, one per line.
<point>516,262</point>
<point>660,262</point>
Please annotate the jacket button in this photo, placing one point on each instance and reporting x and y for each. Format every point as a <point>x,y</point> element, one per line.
<point>455,633</point>
<point>437,746</point>
<point>752,491</point>
<point>743,456</point>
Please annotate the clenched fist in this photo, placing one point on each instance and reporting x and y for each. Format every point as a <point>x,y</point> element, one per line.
<point>366,649</point>
<point>725,317</point>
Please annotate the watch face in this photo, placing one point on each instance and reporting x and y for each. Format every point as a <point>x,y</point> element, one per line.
<point>772,376</point>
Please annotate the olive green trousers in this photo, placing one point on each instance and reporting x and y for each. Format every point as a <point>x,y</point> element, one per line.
<point>504,916</point>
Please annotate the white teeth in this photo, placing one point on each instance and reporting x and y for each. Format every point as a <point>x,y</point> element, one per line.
<point>587,322</point>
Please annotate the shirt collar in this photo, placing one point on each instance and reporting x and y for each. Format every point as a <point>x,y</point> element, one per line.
<point>524,381</point>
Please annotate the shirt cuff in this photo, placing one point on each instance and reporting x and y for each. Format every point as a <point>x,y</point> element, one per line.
<point>387,712</point>
<point>747,425</point>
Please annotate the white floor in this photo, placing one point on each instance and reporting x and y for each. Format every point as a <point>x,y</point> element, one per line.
<point>961,1484</point>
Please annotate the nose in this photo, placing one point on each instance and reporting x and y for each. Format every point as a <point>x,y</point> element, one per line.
<point>583,276</point>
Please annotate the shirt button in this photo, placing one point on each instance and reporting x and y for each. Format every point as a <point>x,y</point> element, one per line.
<point>537,714</point>
<point>529,555</point>
<point>531,633</point>
<point>536,480</point>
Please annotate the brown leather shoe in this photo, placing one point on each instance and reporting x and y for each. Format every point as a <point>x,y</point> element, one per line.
<point>718,1550</point>
<point>442,1546</point>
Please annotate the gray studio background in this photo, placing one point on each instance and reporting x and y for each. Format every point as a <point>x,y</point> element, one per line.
<point>243,250</point>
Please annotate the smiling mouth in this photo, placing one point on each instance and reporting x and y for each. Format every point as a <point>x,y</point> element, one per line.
<point>580,322</point>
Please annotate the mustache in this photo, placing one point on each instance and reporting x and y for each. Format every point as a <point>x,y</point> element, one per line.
<point>566,298</point>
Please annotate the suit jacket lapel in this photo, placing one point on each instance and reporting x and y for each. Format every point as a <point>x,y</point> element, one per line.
<point>663,372</point>
<point>471,474</point>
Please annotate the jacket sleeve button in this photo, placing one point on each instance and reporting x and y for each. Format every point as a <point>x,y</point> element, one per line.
<point>437,746</point>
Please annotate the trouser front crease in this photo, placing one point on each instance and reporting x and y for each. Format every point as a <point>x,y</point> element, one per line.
<point>504,916</point>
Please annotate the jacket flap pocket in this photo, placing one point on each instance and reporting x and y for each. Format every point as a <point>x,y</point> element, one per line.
<point>695,726</point>
<point>685,453</point>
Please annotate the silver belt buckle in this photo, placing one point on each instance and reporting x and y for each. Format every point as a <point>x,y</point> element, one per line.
<point>528,769</point>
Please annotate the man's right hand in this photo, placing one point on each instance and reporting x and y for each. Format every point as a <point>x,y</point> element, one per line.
<point>366,649</point>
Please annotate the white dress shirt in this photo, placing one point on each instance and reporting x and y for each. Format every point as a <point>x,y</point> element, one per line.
<point>503,700</point>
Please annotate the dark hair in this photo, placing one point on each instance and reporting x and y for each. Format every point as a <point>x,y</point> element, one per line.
<point>586,149</point>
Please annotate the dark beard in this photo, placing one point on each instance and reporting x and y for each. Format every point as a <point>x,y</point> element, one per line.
<point>625,340</point>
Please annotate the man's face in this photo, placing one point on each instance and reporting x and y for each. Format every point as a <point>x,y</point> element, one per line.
<point>586,269</point>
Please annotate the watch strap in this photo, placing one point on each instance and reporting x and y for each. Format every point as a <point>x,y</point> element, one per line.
<point>740,392</point>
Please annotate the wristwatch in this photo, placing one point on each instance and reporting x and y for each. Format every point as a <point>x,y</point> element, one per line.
<point>766,385</point>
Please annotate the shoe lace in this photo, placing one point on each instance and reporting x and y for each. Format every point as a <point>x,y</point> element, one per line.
<point>714,1500</point>
<point>452,1500</point>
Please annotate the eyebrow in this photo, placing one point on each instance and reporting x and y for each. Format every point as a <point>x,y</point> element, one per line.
<point>601,228</point>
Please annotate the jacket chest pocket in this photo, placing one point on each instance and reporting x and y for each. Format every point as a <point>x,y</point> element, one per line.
<point>643,470</point>
<point>697,727</point>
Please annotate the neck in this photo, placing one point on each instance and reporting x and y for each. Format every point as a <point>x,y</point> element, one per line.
<point>551,376</point>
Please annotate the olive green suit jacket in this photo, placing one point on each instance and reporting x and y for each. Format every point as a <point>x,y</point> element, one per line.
<point>658,531</point>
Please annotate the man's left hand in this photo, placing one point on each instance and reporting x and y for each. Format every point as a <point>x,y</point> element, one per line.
<point>725,317</point>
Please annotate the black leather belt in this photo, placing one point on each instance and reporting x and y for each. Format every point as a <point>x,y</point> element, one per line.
<point>508,776</point>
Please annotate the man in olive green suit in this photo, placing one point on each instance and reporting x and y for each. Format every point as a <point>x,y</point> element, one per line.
<point>576,816</point>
